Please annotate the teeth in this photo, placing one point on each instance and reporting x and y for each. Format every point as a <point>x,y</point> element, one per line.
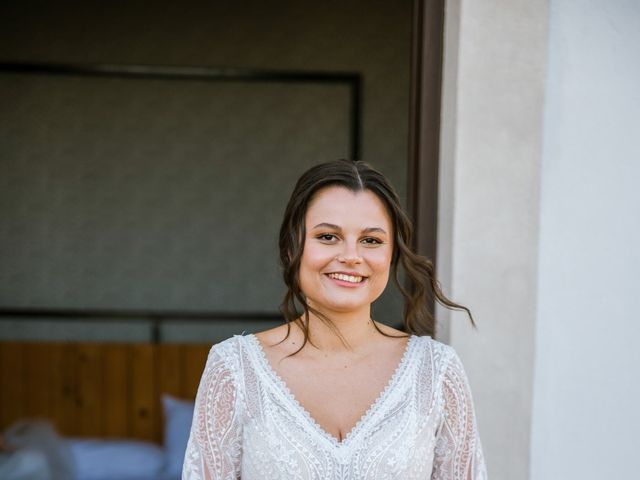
<point>346,278</point>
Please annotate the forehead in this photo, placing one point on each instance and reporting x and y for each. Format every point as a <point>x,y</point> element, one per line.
<point>342,206</point>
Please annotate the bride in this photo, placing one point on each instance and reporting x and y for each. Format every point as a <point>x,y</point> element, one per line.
<point>333,393</point>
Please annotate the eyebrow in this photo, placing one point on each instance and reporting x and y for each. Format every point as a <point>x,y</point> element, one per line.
<point>336,227</point>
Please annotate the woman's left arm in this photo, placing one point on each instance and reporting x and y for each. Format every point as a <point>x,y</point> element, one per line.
<point>458,452</point>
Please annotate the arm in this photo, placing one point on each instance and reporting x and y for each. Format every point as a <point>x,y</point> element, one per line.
<point>214,449</point>
<point>458,453</point>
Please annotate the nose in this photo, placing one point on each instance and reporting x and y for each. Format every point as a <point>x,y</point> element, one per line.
<point>349,254</point>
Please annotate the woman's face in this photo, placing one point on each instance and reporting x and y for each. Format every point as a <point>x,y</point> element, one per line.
<point>347,251</point>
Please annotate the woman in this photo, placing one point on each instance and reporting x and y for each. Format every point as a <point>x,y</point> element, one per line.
<point>332,393</point>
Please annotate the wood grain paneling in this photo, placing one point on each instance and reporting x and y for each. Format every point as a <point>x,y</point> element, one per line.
<point>96,390</point>
<point>116,391</point>
<point>57,395</point>
<point>68,400</point>
<point>195,358</point>
<point>170,366</point>
<point>11,366</point>
<point>37,378</point>
<point>89,388</point>
<point>144,393</point>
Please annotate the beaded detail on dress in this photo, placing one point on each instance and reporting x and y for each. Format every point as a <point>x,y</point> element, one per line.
<point>247,424</point>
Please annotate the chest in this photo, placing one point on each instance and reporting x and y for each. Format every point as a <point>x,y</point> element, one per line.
<point>344,434</point>
<point>337,396</point>
<point>393,436</point>
<point>336,392</point>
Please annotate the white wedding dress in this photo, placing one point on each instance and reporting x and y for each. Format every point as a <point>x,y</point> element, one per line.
<point>248,425</point>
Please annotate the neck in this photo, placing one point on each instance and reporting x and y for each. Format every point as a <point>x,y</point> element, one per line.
<point>356,328</point>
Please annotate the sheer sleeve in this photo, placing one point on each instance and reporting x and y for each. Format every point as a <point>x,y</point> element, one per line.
<point>458,452</point>
<point>215,443</point>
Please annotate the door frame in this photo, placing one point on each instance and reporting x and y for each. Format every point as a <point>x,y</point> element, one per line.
<point>424,124</point>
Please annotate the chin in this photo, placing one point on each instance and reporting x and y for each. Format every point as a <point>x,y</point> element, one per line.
<point>344,307</point>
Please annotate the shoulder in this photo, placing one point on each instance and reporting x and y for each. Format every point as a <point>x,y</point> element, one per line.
<point>281,341</point>
<point>226,347</point>
<point>434,346</point>
<point>439,355</point>
<point>226,354</point>
<point>448,370</point>
<point>277,334</point>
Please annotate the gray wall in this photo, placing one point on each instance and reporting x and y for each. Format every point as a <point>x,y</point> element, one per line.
<point>163,196</point>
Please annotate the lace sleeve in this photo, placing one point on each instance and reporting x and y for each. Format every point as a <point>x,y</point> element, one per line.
<point>458,452</point>
<point>215,442</point>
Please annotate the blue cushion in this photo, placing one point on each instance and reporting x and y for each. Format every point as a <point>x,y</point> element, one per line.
<point>116,459</point>
<point>178,415</point>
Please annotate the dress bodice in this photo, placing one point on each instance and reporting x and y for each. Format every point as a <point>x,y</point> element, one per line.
<point>247,424</point>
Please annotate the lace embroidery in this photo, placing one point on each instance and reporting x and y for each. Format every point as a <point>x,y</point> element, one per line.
<point>248,424</point>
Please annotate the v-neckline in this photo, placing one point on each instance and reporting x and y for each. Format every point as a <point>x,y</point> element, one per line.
<point>364,418</point>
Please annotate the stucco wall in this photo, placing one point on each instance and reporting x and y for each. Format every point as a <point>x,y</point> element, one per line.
<point>539,227</point>
<point>495,61</point>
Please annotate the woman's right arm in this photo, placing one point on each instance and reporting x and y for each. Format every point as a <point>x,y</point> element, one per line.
<point>214,449</point>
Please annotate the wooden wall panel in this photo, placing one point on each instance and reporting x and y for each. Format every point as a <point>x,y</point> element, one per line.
<point>116,391</point>
<point>12,388</point>
<point>37,380</point>
<point>69,393</point>
<point>195,358</point>
<point>89,389</point>
<point>58,396</point>
<point>170,368</point>
<point>145,403</point>
<point>97,390</point>
<point>89,394</point>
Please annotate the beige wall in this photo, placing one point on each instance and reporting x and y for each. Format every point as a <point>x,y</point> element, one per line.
<point>539,227</point>
<point>495,61</point>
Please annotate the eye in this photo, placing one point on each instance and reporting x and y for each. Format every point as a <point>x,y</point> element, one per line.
<point>372,241</point>
<point>327,237</point>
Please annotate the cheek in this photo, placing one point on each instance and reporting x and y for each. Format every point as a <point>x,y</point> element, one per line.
<point>380,260</point>
<point>313,261</point>
<point>382,270</point>
<point>313,257</point>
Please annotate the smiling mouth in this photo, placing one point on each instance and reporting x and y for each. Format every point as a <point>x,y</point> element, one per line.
<point>347,278</point>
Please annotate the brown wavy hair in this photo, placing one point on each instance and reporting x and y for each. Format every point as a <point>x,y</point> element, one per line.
<point>422,286</point>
